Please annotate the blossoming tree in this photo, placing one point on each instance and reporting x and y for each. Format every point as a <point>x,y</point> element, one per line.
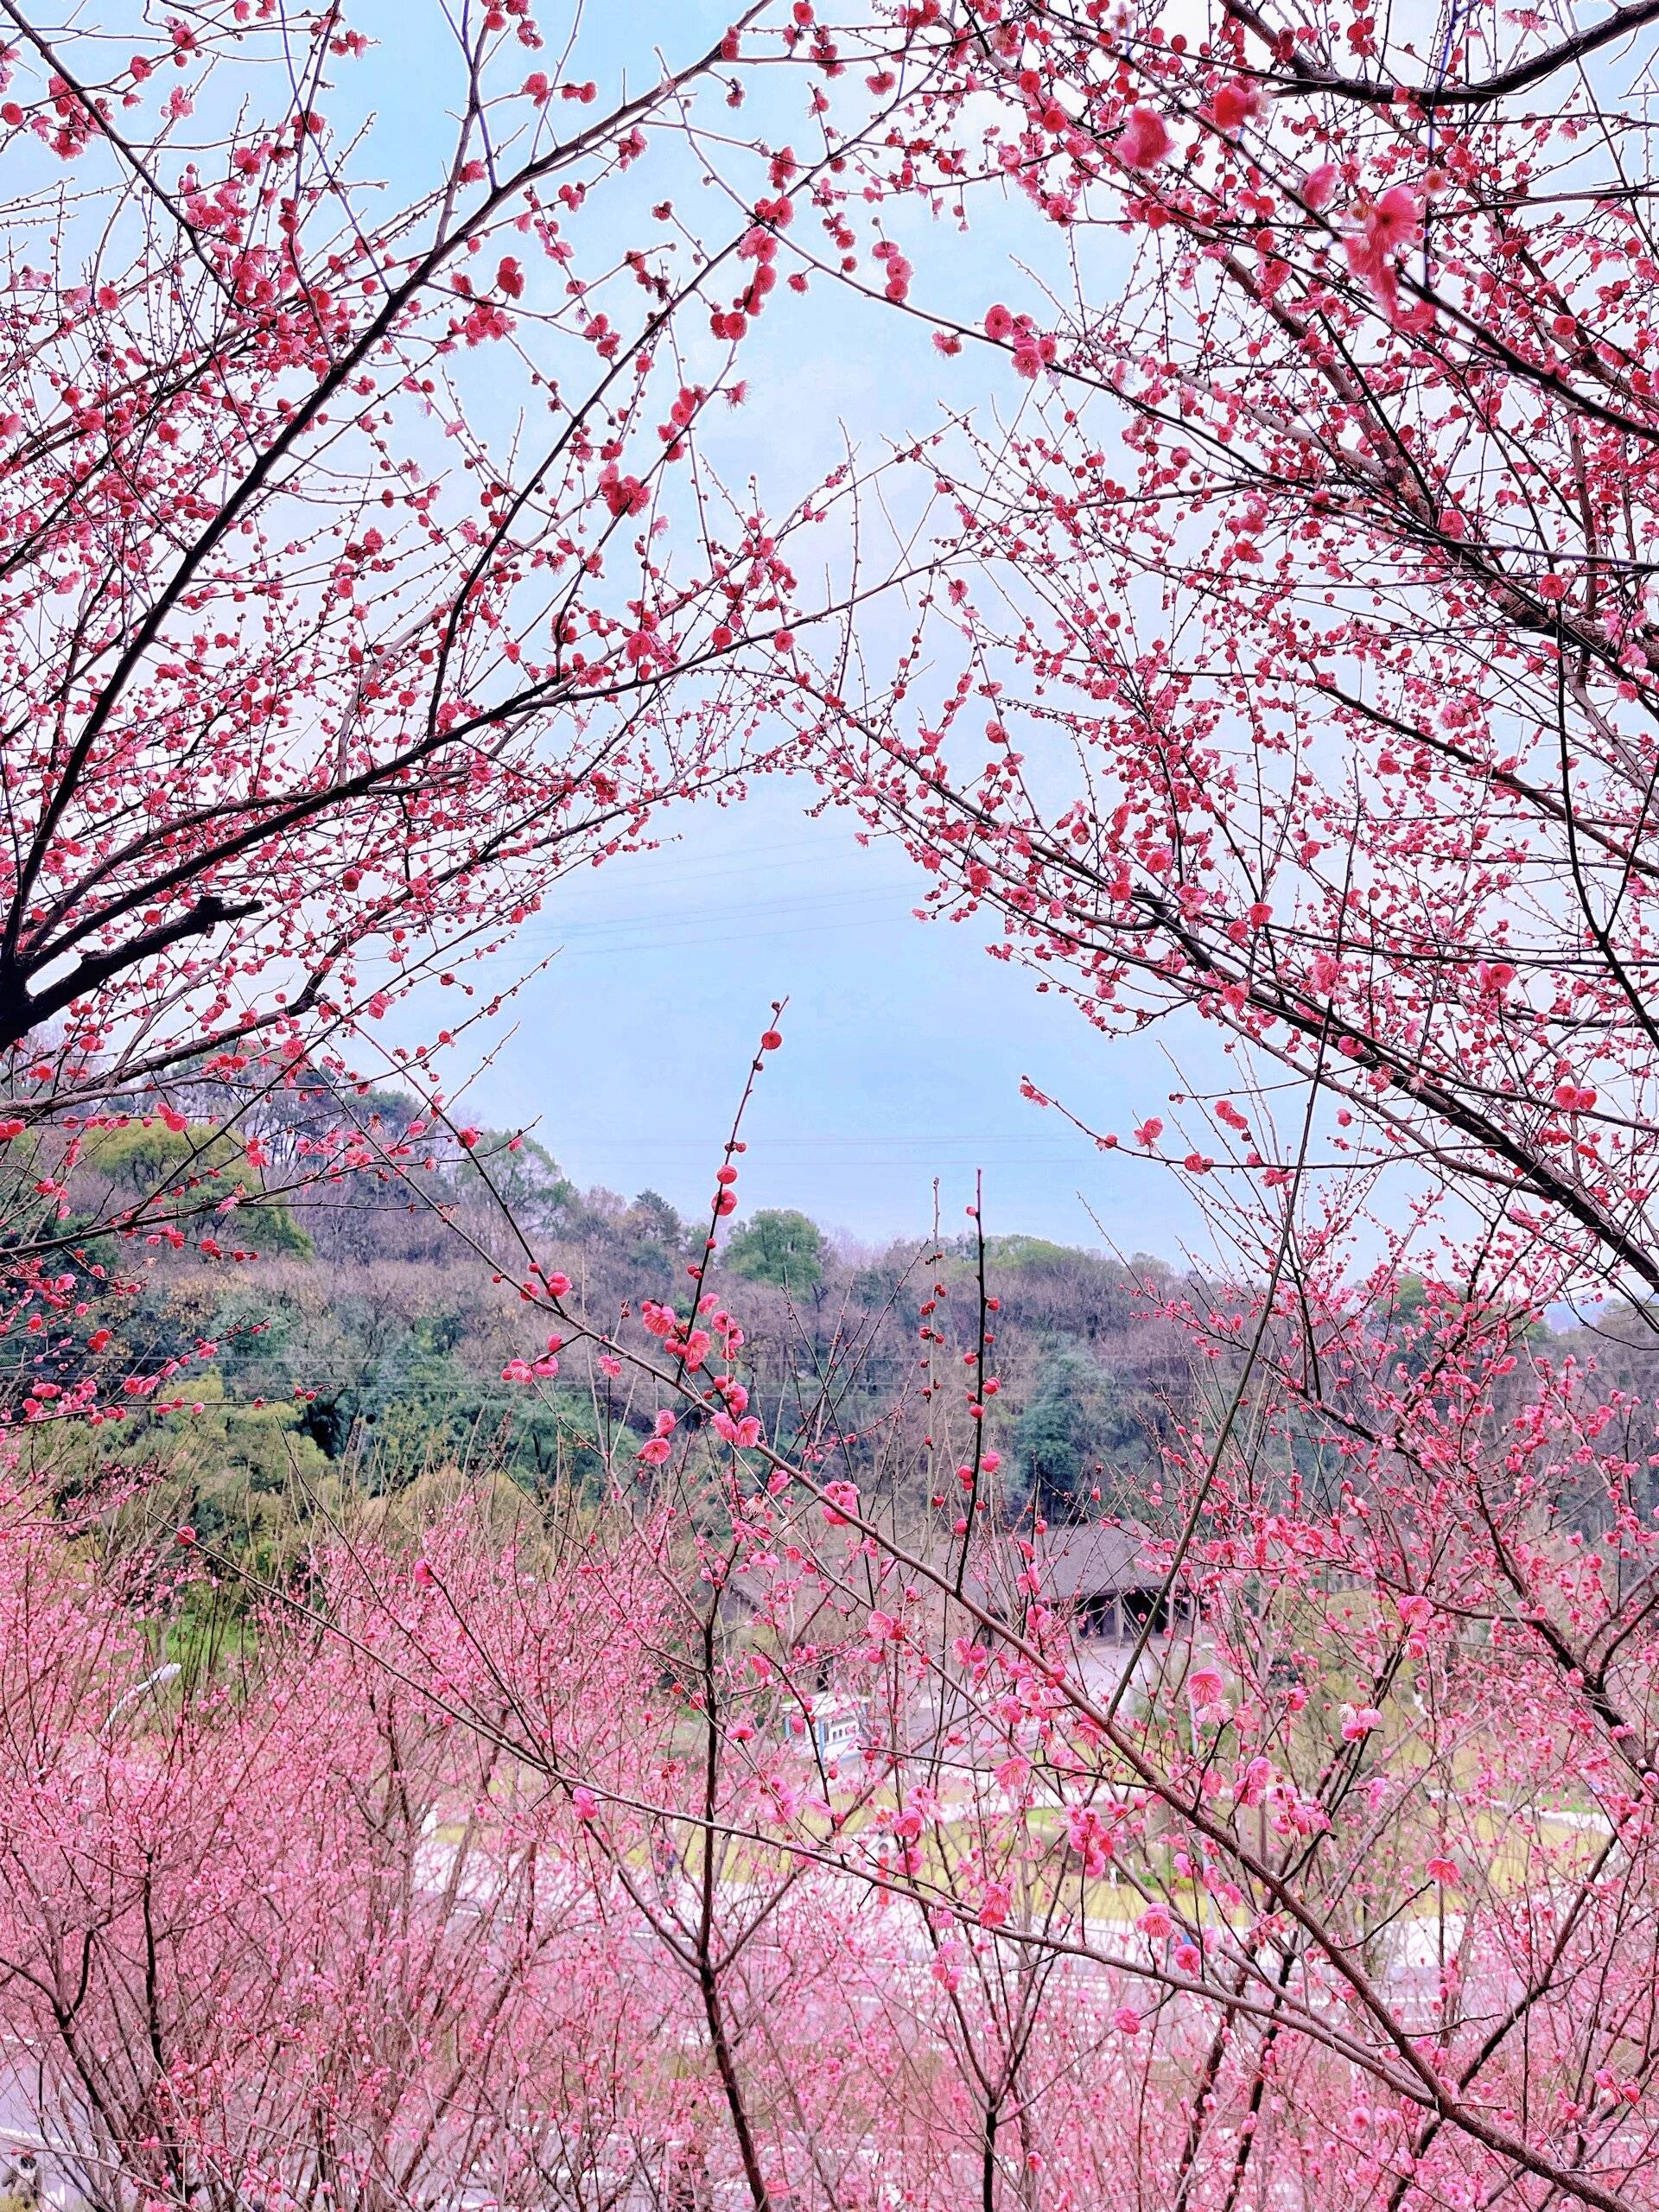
<point>366,569</point>
<point>1284,663</point>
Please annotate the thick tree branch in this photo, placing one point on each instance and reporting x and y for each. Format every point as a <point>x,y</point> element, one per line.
<point>1308,80</point>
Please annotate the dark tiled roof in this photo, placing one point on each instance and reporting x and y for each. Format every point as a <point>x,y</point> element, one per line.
<point>1077,1562</point>
<point>1074,1561</point>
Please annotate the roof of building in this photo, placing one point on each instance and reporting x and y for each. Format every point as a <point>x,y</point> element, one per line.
<point>1074,1561</point>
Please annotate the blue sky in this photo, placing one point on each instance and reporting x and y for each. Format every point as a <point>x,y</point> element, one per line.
<point>904,1043</point>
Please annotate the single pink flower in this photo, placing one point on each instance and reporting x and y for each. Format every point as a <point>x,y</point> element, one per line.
<point>1144,142</point>
<point>1206,1688</point>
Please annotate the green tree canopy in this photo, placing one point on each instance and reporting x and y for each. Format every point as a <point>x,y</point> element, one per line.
<point>779,1245</point>
<point>198,1164</point>
<point>1076,1432</point>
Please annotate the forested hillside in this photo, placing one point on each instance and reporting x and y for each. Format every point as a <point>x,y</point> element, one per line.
<point>362,1337</point>
<point>353,1339</point>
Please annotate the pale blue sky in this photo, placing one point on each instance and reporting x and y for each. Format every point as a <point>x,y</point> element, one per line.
<point>904,1043</point>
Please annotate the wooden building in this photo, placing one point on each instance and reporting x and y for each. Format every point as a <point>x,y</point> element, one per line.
<point>1097,1572</point>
